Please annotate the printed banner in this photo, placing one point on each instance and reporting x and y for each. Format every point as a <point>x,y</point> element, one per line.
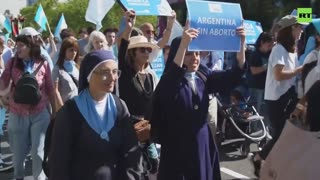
<point>217,23</point>
<point>148,7</point>
<point>158,64</point>
<point>253,30</point>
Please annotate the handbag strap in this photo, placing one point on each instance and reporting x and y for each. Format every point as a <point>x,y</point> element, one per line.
<point>38,68</point>
<point>72,77</point>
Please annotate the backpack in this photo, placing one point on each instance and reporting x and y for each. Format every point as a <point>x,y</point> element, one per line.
<point>72,110</point>
<point>27,90</point>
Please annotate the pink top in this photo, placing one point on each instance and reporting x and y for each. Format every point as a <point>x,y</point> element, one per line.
<point>45,83</point>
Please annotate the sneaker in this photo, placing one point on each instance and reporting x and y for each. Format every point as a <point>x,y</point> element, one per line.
<point>5,166</point>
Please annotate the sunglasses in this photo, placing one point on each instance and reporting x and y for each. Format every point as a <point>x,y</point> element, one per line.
<point>145,49</point>
<point>150,32</point>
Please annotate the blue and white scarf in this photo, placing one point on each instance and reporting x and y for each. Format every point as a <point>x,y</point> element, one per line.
<point>88,110</point>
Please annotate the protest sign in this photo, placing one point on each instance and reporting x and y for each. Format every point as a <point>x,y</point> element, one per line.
<point>148,7</point>
<point>217,23</point>
<point>253,29</point>
<point>158,65</point>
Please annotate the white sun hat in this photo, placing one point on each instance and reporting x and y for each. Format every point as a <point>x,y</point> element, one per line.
<point>29,31</point>
<point>142,41</point>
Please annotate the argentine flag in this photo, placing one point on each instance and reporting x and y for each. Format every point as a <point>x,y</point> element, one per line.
<point>61,25</point>
<point>5,22</point>
<point>41,18</point>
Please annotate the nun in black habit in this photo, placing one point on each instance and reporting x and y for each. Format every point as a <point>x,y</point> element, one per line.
<point>180,110</point>
<point>93,137</point>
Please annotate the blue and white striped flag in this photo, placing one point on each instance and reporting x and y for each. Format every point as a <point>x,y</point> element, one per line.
<point>61,25</point>
<point>7,25</point>
<point>41,18</point>
<point>5,22</point>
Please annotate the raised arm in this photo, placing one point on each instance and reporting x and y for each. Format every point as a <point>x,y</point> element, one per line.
<point>167,32</point>
<point>241,58</point>
<point>187,36</point>
<point>53,46</point>
<point>123,46</point>
<point>225,81</point>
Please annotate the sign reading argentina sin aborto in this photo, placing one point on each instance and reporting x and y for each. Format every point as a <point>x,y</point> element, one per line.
<point>217,23</point>
<point>148,7</point>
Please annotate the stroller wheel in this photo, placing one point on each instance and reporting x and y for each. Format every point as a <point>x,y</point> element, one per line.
<point>244,149</point>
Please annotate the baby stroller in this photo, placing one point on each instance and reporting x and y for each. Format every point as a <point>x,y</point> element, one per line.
<point>241,119</point>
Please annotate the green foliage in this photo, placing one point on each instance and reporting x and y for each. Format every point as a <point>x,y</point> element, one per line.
<point>74,12</point>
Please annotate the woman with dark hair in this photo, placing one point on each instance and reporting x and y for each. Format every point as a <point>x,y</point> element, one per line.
<point>280,93</point>
<point>180,109</point>
<point>137,83</point>
<point>258,64</point>
<point>28,122</point>
<point>65,74</point>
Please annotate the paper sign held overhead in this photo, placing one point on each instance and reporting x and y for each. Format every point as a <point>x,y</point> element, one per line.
<point>217,23</point>
<point>253,29</point>
<point>148,7</point>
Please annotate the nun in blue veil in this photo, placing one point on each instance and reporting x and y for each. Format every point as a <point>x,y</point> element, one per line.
<point>93,137</point>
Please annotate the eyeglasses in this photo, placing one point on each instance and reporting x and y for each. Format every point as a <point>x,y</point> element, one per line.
<point>145,49</point>
<point>150,31</point>
<point>106,73</point>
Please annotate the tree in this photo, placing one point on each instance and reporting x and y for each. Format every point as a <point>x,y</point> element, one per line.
<point>74,12</point>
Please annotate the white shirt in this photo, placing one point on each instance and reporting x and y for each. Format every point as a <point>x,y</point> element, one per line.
<point>279,55</point>
<point>101,107</point>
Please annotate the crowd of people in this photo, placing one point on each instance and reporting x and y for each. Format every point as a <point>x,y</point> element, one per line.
<point>108,110</point>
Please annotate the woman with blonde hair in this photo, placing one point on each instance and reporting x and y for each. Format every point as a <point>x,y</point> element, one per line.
<point>97,41</point>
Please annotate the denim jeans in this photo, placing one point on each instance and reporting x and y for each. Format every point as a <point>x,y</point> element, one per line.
<point>257,96</point>
<point>27,132</point>
<point>278,110</point>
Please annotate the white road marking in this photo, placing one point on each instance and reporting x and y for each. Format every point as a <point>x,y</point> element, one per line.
<point>233,173</point>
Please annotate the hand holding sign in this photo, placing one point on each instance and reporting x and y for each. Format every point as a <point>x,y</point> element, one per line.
<point>130,19</point>
<point>171,20</point>
<point>241,54</point>
<point>188,34</point>
<point>241,32</point>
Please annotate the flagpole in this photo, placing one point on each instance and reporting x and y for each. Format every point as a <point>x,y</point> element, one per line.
<point>49,27</point>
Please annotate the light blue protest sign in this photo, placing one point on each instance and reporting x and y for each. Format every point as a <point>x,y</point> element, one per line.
<point>253,29</point>
<point>158,65</point>
<point>148,7</point>
<point>217,23</point>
